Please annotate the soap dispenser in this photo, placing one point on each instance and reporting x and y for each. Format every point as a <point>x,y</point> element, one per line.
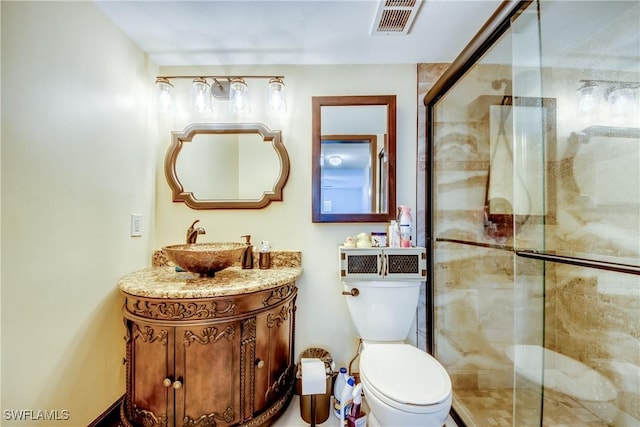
<point>247,255</point>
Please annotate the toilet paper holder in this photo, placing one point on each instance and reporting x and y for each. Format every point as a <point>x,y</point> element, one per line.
<point>315,408</point>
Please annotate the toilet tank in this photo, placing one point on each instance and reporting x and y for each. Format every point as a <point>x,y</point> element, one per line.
<point>383,310</point>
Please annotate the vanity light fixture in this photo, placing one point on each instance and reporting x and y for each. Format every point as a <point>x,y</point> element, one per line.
<point>621,97</point>
<point>233,89</point>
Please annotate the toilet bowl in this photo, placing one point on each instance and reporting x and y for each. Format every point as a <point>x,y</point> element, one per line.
<point>404,386</point>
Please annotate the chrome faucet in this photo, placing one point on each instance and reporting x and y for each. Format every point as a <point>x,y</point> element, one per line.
<point>192,233</point>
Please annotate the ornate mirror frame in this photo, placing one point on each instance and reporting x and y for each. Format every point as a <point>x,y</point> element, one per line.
<point>389,101</point>
<point>178,139</point>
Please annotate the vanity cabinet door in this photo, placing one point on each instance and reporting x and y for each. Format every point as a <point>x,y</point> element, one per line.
<point>208,365</point>
<point>274,353</point>
<point>149,374</point>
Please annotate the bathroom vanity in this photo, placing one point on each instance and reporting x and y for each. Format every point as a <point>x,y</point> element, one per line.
<point>204,351</point>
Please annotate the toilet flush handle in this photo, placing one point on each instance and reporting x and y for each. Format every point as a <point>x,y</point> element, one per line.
<point>354,292</point>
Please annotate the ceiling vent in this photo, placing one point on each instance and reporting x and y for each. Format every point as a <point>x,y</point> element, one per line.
<point>395,16</point>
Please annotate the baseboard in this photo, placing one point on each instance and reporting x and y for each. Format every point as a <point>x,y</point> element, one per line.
<point>110,417</point>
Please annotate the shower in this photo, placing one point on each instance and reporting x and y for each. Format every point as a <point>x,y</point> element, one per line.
<point>536,319</point>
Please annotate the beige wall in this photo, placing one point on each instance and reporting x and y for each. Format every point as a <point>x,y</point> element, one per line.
<point>78,157</point>
<point>81,151</point>
<point>322,316</point>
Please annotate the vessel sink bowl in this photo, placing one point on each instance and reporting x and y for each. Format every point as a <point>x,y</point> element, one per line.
<point>205,258</point>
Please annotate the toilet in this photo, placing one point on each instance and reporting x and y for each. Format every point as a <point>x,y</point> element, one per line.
<point>403,385</point>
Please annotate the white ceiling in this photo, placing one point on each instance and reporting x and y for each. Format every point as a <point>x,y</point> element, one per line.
<point>239,32</point>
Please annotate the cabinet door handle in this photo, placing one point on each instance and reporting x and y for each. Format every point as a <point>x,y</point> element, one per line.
<point>177,385</point>
<point>259,363</point>
<point>167,382</point>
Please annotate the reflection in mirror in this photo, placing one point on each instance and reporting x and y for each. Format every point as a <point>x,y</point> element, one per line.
<point>353,158</point>
<point>348,165</point>
<point>604,168</point>
<point>527,192</point>
<point>222,166</point>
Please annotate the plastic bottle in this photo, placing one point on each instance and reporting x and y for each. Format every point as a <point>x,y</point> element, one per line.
<point>356,417</point>
<point>405,220</point>
<point>394,234</point>
<point>346,400</point>
<point>341,381</point>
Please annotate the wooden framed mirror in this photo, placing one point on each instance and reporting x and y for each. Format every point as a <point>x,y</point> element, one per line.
<point>353,158</point>
<point>518,195</point>
<point>226,166</point>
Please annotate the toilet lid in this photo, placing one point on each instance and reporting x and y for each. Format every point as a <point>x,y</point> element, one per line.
<point>405,374</point>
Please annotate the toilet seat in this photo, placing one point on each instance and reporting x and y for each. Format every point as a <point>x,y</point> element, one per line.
<point>405,377</point>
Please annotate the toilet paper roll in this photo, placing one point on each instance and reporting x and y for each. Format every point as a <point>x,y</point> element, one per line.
<point>313,376</point>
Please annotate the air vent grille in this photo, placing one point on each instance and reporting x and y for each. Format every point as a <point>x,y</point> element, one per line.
<point>395,16</point>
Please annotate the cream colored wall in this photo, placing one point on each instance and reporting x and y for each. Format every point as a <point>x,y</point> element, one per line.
<point>322,316</point>
<point>78,157</point>
<point>81,152</point>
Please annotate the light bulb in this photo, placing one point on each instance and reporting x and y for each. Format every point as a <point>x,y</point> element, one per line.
<point>589,98</point>
<point>239,96</point>
<point>277,96</point>
<point>163,95</point>
<point>200,100</point>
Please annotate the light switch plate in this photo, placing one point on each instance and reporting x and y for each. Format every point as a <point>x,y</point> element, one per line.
<point>136,225</point>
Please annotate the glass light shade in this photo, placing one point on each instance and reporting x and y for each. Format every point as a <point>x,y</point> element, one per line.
<point>200,100</point>
<point>277,98</point>
<point>622,101</point>
<point>163,95</point>
<point>589,98</point>
<point>239,96</point>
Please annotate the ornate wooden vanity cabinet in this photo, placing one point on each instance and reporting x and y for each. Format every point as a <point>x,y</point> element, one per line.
<point>219,360</point>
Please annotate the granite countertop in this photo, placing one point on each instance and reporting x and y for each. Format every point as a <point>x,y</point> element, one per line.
<point>163,281</point>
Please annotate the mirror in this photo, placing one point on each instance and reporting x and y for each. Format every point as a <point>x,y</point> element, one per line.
<point>353,158</point>
<point>226,166</point>
<point>603,174</point>
<point>525,193</point>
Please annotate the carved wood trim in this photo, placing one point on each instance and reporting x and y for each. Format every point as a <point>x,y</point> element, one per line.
<point>281,317</point>
<point>209,335</point>
<point>181,310</point>
<point>128,399</point>
<point>209,420</point>
<point>149,335</point>
<point>272,411</point>
<point>149,419</point>
<point>247,368</point>
<point>279,294</point>
<point>285,380</point>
